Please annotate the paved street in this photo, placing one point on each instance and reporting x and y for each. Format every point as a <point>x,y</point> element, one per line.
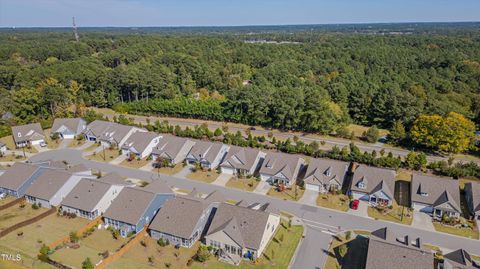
<point>330,219</point>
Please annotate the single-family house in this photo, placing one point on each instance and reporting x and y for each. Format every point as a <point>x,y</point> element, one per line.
<point>29,134</point>
<point>386,250</point>
<point>17,179</point>
<point>3,149</point>
<point>91,197</point>
<point>182,220</point>
<point>281,168</point>
<point>109,133</point>
<point>459,259</point>
<point>140,144</point>
<point>373,184</point>
<point>325,175</point>
<point>472,196</point>
<point>135,207</point>
<point>238,232</point>
<point>173,149</point>
<point>68,128</point>
<point>435,195</point>
<point>207,154</point>
<point>242,161</point>
<point>51,187</point>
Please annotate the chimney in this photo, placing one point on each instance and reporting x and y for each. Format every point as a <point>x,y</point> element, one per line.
<point>406,241</point>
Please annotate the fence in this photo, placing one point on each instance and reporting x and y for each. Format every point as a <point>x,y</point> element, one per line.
<point>27,222</point>
<point>12,203</point>
<point>66,239</point>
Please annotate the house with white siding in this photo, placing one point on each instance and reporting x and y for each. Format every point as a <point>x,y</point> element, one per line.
<point>140,144</point>
<point>281,168</point>
<point>109,133</point>
<point>173,149</point>
<point>18,178</point>
<point>325,175</point>
<point>3,149</point>
<point>207,154</point>
<point>68,128</point>
<point>242,161</point>
<point>29,134</point>
<point>374,185</point>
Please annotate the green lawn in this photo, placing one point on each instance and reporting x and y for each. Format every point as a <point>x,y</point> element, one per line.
<point>170,170</point>
<point>8,141</point>
<point>334,201</point>
<point>28,260</point>
<point>288,194</point>
<point>98,242</point>
<point>104,156</point>
<point>205,176</point>
<point>393,215</point>
<point>16,214</point>
<point>243,183</point>
<point>465,232</point>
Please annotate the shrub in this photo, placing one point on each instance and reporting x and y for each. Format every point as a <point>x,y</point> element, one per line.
<point>74,237</point>
<point>87,264</point>
<point>163,242</point>
<point>35,206</point>
<point>202,254</point>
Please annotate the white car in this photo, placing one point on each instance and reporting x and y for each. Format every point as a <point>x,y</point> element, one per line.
<point>3,195</point>
<point>43,144</point>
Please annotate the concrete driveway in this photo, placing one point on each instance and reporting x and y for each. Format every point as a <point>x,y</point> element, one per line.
<point>184,172</point>
<point>40,149</point>
<point>362,210</point>
<point>148,166</point>
<point>64,144</point>
<point>309,198</point>
<point>422,221</point>
<point>85,145</point>
<point>262,188</point>
<point>119,159</point>
<point>222,179</point>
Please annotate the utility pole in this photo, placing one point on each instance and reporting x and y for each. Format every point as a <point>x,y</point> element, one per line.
<point>75,33</point>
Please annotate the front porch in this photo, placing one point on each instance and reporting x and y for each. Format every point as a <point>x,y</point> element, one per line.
<point>439,213</point>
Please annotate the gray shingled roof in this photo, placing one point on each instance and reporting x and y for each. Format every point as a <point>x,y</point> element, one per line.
<point>318,170</point>
<point>114,179</point>
<point>48,183</point>
<point>139,141</point>
<point>72,124</point>
<point>384,251</point>
<point>439,190</point>
<point>86,194</point>
<point>287,164</point>
<point>475,189</point>
<point>244,225</point>
<point>130,205</point>
<point>108,131</point>
<point>180,215</point>
<point>27,132</point>
<point>240,158</point>
<point>203,150</point>
<point>460,259</point>
<point>169,146</point>
<point>375,179</point>
<point>158,186</point>
<point>15,176</point>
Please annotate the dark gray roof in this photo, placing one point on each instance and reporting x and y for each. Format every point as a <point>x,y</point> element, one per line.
<point>130,205</point>
<point>203,150</point>
<point>86,194</point>
<point>244,225</point>
<point>140,141</point>
<point>27,132</point>
<point>48,183</point>
<point>180,215</point>
<point>72,124</point>
<point>385,251</point>
<point>439,190</point>
<point>287,164</point>
<point>322,171</point>
<point>240,158</point>
<point>375,179</point>
<point>15,176</point>
<point>460,259</point>
<point>474,189</point>
<point>170,146</point>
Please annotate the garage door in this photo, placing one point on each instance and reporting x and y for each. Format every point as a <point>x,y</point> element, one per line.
<point>68,136</point>
<point>422,208</point>
<point>312,187</point>
<point>227,171</point>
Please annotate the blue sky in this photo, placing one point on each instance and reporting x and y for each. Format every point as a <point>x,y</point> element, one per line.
<point>56,13</point>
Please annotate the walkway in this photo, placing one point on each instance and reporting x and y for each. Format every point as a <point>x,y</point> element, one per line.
<point>119,159</point>
<point>222,179</point>
<point>262,188</point>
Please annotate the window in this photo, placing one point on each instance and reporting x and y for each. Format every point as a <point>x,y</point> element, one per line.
<point>361,185</point>
<point>423,194</point>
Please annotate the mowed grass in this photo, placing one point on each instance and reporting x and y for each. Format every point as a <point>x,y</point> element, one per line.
<point>135,163</point>
<point>170,170</point>
<point>465,232</point>
<point>12,157</point>
<point>8,141</point>
<point>393,215</point>
<point>16,214</point>
<point>404,175</point>
<point>106,155</point>
<point>333,201</point>
<point>242,183</point>
<point>359,129</point>
<point>77,143</point>
<point>28,260</point>
<point>44,231</point>
<point>287,194</point>
<point>204,176</point>
<point>7,200</point>
<point>51,144</point>
<point>90,247</point>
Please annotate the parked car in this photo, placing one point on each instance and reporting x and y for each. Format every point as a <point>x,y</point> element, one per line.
<point>43,144</point>
<point>2,195</point>
<point>354,204</point>
<point>252,128</point>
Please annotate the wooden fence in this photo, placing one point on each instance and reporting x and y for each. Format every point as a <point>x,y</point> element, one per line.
<point>80,231</point>
<point>12,203</point>
<point>27,222</point>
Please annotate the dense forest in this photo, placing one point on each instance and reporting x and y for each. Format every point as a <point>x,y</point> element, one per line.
<point>316,80</point>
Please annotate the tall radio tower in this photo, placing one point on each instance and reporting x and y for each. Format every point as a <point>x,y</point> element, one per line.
<point>75,29</point>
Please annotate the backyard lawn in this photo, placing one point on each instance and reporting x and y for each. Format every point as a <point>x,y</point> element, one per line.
<point>28,260</point>
<point>104,156</point>
<point>171,170</point>
<point>16,214</point>
<point>465,232</point>
<point>287,194</point>
<point>205,176</point>
<point>334,201</point>
<point>7,200</point>
<point>98,242</point>
<point>135,163</point>
<point>393,215</point>
<point>243,183</point>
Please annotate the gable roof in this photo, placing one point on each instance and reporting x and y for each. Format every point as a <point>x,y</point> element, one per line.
<point>114,179</point>
<point>244,225</point>
<point>108,131</point>
<point>322,171</point>
<point>171,146</point>
<point>474,189</point>
<point>26,132</point>
<point>140,141</point>
<point>286,164</point>
<point>48,183</point>
<point>158,186</point>
<point>460,259</point>
<point>180,215</point>
<point>240,158</point>
<point>86,194</point>
<point>130,205</point>
<point>385,251</point>
<point>15,176</point>
<point>203,150</point>
<point>439,189</point>
<point>375,179</point>
<point>72,124</point>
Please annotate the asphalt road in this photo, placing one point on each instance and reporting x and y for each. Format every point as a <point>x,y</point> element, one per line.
<point>318,220</point>
<point>329,141</point>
